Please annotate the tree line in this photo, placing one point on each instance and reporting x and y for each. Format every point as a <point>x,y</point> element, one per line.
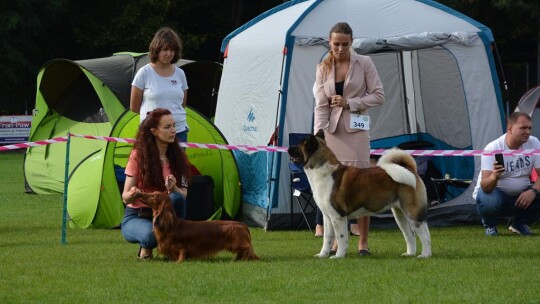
<point>33,32</point>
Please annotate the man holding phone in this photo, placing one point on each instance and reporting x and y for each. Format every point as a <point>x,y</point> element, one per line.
<point>504,188</point>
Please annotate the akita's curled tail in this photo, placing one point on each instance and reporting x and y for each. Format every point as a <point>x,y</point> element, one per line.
<point>400,166</point>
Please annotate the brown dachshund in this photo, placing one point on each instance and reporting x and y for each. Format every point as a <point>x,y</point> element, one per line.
<point>180,239</point>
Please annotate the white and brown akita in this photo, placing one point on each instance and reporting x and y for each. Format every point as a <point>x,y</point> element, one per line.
<point>343,192</point>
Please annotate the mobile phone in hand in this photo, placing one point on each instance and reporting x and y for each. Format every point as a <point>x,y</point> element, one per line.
<point>500,159</point>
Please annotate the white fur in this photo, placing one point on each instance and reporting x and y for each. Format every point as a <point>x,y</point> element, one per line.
<point>400,174</point>
<point>322,184</point>
<point>322,177</point>
<point>410,229</point>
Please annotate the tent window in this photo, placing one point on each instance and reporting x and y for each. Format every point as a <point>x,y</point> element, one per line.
<point>443,97</point>
<point>424,94</point>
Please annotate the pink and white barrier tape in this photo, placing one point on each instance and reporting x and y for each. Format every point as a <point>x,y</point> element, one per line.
<point>116,139</point>
<point>195,145</point>
<point>33,144</point>
<point>462,152</point>
<point>274,148</point>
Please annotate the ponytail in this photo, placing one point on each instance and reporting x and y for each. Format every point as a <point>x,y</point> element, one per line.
<point>342,28</point>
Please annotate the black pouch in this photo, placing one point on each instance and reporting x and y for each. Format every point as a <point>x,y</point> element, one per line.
<point>145,213</point>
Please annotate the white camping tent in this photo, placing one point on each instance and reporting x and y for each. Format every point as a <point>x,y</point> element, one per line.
<point>529,103</point>
<point>436,66</point>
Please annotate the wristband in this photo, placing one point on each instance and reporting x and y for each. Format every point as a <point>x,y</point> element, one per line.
<point>536,192</point>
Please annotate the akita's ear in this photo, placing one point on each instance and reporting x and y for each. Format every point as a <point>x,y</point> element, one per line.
<point>312,144</point>
<point>320,134</point>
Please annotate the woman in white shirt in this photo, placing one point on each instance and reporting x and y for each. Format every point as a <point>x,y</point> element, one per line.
<point>160,83</point>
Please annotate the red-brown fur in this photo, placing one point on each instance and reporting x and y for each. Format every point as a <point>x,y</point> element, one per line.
<point>182,239</point>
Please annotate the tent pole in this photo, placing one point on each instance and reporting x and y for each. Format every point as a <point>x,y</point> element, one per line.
<point>505,85</point>
<point>268,191</point>
<point>64,209</point>
<point>271,180</point>
<point>275,141</point>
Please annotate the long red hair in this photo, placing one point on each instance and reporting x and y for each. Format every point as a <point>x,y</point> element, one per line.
<point>150,175</point>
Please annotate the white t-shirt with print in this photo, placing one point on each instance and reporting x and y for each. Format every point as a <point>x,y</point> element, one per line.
<point>163,92</point>
<point>518,168</point>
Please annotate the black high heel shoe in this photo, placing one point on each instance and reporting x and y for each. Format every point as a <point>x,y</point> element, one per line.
<point>364,252</point>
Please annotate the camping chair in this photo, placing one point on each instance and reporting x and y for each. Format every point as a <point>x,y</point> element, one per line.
<point>436,185</point>
<point>427,170</point>
<point>300,188</point>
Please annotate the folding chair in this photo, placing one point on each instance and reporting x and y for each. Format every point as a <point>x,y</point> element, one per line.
<point>300,188</point>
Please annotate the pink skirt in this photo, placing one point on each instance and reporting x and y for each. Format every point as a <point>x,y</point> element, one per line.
<point>351,149</point>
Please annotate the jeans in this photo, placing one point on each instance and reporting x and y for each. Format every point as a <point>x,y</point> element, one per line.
<point>318,217</point>
<point>497,203</point>
<point>182,137</point>
<point>139,230</point>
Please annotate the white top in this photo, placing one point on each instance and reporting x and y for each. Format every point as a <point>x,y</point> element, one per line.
<point>516,178</point>
<point>163,92</point>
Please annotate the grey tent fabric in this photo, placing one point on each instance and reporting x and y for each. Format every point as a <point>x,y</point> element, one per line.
<point>402,43</point>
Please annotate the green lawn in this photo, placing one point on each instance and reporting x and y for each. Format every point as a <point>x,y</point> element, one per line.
<point>98,266</point>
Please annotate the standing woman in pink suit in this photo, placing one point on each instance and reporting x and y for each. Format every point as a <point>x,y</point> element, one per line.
<point>346,86</point>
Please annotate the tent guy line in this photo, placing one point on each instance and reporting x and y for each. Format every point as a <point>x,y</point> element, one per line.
<point>274,148</point>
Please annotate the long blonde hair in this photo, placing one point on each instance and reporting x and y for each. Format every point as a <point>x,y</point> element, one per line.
<point>341,28</point>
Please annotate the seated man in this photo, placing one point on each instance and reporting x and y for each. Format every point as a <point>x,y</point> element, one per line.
<point>505,189</point>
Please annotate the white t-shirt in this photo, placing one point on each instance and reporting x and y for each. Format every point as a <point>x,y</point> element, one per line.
<point>516,178</point>
<point>163,92</point>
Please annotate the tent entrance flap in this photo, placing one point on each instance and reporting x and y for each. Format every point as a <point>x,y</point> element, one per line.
<point>409,59</point>
<point>427,96</point>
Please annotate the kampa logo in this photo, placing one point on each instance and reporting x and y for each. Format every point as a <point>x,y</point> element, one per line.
<point>251,116</point>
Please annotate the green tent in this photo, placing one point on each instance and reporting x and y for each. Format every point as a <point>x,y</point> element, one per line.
<point>91,97</point>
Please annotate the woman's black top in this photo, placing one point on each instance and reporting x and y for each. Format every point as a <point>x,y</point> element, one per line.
<point>339,87</point>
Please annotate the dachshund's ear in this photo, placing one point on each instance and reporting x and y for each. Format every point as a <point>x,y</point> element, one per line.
<point>320,134</point>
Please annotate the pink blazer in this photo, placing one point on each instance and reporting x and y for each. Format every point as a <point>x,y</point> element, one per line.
<point>362,89</point>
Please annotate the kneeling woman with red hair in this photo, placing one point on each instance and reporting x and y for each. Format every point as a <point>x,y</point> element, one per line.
<point>157,163</point>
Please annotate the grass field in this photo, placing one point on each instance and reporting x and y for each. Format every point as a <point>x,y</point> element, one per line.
<point>98,266</point>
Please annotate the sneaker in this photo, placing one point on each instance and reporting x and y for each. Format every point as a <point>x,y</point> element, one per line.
<point>492,231</point>
<point>520,229</point>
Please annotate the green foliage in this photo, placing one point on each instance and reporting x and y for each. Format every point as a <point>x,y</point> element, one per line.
<point>98,266</point>
<point>508,19</point>
<point>33,32</point>
<point>516,27</point>
<point>26,43</point>
<point>103,27</point>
